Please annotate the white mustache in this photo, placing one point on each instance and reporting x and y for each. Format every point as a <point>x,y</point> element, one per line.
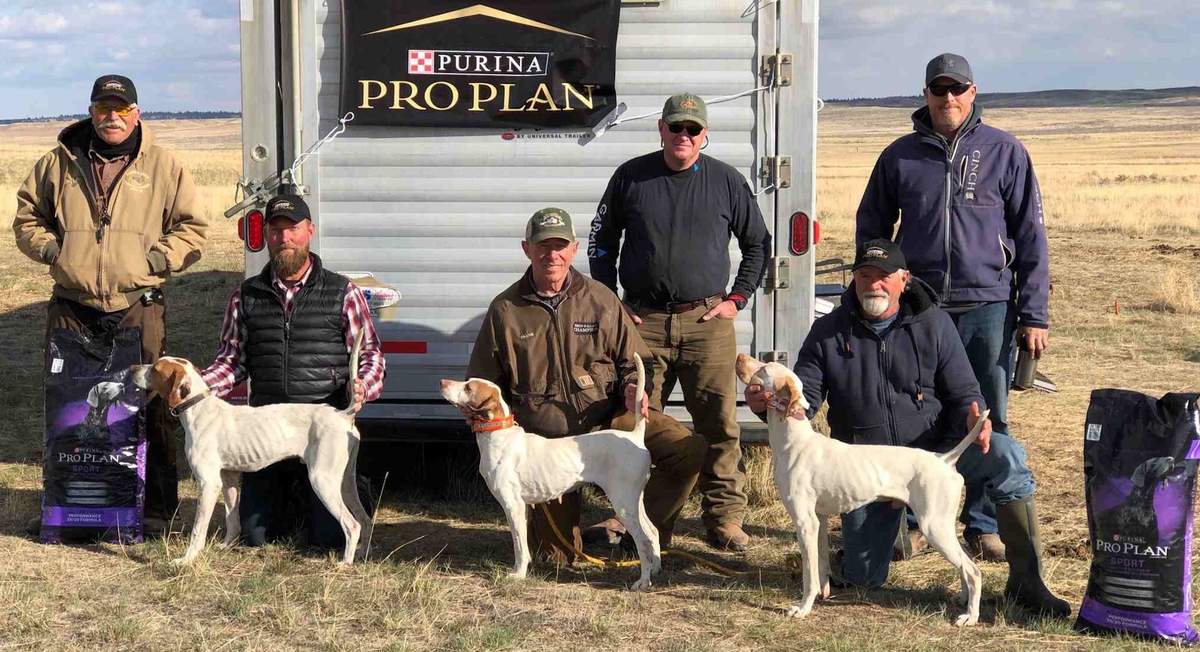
<point>112,123</point>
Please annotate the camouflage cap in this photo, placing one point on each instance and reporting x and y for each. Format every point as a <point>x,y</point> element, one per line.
<point>549,223</point>
<point>685,107</point>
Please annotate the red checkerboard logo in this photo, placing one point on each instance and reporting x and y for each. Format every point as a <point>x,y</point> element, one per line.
<point>420,62</point>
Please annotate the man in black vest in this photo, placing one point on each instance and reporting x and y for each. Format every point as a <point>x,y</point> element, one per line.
<point>290,330</point>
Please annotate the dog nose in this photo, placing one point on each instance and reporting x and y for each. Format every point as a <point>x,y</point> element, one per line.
<point>446,383</point>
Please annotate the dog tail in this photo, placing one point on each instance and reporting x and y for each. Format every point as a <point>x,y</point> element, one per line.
<point>639,421</point>
<point>354,354</point>
<point>951,456</point>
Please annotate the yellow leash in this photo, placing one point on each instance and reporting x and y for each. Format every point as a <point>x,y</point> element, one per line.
<point>610,563</point>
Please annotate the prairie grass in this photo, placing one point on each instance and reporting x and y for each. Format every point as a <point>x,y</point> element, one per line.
<point>1121,201</point>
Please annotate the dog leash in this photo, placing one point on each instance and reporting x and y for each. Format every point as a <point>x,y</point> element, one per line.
<point>611,563</point>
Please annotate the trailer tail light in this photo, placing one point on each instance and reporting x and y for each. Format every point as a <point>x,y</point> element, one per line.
<point>251,229</point>
<point>800,242</point>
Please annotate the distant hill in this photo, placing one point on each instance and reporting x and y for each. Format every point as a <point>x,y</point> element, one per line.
<point>149,115</point>
<point>1183,96</point>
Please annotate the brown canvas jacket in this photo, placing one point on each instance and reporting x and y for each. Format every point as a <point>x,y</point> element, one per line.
<point>156,223</point>
<point>563,371</point>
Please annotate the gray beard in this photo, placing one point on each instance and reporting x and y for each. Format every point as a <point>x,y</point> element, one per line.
<point>874,306</point>
<point>286,263</point>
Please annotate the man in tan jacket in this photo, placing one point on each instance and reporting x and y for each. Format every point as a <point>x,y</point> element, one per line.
<point>561,348</point>
<point>113,215</point>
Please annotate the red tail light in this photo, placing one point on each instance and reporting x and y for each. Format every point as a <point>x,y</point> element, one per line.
<point>799,241</point>
<point>252,231</point>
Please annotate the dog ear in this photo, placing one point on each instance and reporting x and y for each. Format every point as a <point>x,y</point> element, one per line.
<point>93,397</point>
<point>180,387</point>
<point>747,366</point>
<point>796,400</point>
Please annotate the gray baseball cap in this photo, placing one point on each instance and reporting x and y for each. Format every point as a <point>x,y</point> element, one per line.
<point>950,65</point>
<point>549,223</point>
<point>685,107</point>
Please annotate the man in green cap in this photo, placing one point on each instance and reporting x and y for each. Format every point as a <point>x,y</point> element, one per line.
<point>677,210</point>
<point>561,349</point>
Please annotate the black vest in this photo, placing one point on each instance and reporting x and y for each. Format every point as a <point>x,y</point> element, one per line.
<point>301,359</point>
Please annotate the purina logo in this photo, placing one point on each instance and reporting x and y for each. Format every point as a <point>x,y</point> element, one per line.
<point>478,63</point>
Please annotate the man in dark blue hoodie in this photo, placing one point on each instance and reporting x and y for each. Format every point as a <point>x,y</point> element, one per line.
<point>972,228</point>
<point>895,373</point>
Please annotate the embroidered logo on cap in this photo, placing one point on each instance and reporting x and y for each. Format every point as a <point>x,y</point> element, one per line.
<point>114,85</point>
<point>551,219</point>
<point>688,104</point>
<point>283,205</point>
<point>875,253</point>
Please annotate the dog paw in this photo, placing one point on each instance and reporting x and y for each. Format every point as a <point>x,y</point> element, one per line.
<point>516,575</point>
<point>798,611</point>
<point>181,561</point>
<point>642,584</point>
<point>966,620</point>
<point>824,594</point>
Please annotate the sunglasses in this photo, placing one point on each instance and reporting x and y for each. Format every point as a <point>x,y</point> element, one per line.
<point>122,110</point>
<point>692,130</point>
<point>954,89</point>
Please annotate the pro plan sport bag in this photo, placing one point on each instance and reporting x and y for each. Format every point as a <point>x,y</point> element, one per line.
<point>1139,465</point>
<point>94,468</point>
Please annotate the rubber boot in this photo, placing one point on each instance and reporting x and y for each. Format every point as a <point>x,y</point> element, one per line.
<point>1018,529</point>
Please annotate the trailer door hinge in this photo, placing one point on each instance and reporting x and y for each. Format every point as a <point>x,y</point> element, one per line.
<point>774,356</point>
<point>778,274</point>
<point>776,171</point>
<point>776,69</point>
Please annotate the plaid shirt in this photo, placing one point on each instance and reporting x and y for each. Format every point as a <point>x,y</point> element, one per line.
<point>229,367</point>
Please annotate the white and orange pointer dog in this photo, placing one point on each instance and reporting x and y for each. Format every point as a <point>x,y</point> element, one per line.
<point>522,468</point>
<point>818,477</point>
<point>224,440</point>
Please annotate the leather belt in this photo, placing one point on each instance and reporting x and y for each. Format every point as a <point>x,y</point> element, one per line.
<point>684,306</point>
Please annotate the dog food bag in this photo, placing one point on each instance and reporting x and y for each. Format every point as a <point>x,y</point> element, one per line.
<point>1139,460</point>
<point>94,465</point>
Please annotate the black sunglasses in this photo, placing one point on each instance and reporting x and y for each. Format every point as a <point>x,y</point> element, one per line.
<point>954,89</point>
<point>693,130</point>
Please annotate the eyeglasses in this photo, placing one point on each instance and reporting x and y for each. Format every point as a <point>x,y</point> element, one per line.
<point>122,110</point>
<point>954,89</point>
<point>692,130</point>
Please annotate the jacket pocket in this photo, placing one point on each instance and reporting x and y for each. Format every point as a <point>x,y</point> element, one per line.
<point>874,435</point>
<point>978,256</point>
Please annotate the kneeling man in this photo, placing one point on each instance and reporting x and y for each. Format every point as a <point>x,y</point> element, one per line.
<point>895,372</point>
<point>561,348</point>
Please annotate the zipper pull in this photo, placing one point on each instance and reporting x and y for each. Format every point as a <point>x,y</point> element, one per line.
<point>105,220</point>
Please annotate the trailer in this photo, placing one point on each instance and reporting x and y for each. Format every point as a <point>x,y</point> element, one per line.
<point>437,212</point>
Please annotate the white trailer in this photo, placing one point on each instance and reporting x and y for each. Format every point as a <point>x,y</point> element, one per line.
<point>438,213</point>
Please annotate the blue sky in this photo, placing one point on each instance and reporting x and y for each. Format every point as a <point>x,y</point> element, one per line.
<point>183,54</point>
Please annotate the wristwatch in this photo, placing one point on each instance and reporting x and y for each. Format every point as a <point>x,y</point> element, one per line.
<point>737,299</point>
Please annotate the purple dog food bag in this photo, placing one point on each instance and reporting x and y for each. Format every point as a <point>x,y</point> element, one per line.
<point>1139,461</point>
<point>94,465</point>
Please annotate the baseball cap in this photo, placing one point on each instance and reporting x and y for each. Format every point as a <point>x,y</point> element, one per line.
<point>949,65</point>
<point>685,107</point>
<point>549,223</point>
<point>118,86</point>
<point>288,206</point>
<point>881,253</point>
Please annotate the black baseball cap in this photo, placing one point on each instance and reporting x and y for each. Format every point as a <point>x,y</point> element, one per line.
<point>118,86</point>
<point>950,65</point>
<point>881,253</point>
<point>288,206</point>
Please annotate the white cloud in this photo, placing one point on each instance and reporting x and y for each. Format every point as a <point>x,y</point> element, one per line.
<point>30,23</point>
<point>205,24</point>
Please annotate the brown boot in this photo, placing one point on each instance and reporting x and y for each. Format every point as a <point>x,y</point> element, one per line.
<point>608,531</point>
<point>985,546</point>
<point>908,544</point>
<point>1019,530</point>
<point>728,536</point>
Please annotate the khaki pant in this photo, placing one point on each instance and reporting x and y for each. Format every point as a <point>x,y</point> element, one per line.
<point>162,473</point>
<point>675,457</point>
<point>701,357</point>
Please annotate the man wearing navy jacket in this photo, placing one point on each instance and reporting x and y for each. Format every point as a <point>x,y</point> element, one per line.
<point>895,373</point>
<point>972,228</point>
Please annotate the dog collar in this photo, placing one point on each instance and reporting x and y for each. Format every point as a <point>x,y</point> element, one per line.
<point>493,424</point>
<point>187,403</point>
<point>782,408</point>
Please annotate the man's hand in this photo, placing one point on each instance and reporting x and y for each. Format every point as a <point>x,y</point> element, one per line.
<point>757,397</point>
<point>724,310</point>
<point>360,395</point>
<point>632,315</point>
<point>1034,339</point>
<point>985,434</point>
<point>631,400</point>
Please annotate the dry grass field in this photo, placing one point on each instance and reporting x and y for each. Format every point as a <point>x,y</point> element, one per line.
<point>1122,199</point>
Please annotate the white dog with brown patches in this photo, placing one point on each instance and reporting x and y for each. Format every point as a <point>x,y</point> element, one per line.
<point>224,440</point>
<point>522,468</point>
<point>818,477</point>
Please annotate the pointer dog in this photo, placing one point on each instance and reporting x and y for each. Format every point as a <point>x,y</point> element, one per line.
<point>522,468</point>
<point>225,440</point>
<point>817,476</point>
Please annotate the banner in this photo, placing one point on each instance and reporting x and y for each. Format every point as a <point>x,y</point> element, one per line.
<point>502,64</point>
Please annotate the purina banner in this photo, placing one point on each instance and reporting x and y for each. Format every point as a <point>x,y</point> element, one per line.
<point>501,64</point>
